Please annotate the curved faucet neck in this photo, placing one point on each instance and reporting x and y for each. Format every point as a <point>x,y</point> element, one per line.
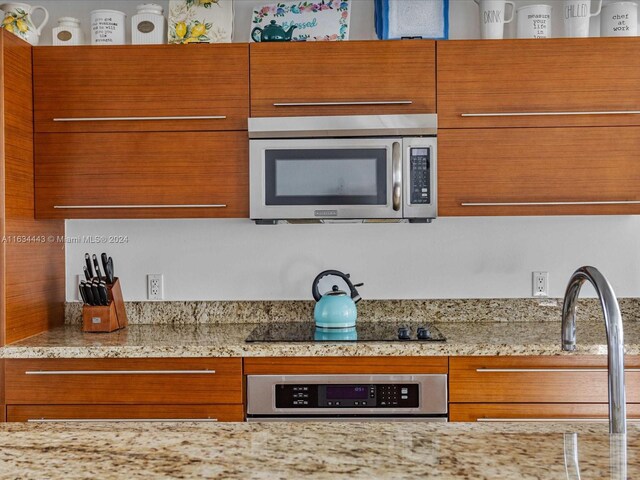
<point>615,337</point>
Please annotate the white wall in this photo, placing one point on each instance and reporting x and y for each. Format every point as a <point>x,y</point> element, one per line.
<point>451,258</point>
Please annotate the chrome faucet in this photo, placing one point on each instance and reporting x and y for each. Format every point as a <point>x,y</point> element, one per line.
<point>615,338</point>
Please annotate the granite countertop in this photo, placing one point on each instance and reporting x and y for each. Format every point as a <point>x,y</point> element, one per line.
<point>313,450</point>
<point>227,340</point>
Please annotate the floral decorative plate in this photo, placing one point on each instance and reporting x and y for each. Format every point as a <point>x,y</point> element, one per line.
<point>314,20</point>
<point>200,21</point>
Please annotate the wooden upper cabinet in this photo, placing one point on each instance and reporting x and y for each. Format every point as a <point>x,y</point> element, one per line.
<point>342,78</point>
<point>77,88</point>
<point>540,77</point>
<point>142,175</point>
<point>539,171</point>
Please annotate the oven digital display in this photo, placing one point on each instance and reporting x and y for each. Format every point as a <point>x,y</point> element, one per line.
<point>347,392</point>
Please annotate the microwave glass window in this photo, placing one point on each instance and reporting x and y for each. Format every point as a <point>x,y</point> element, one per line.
<point>356,176</point>
<point>324,177</point>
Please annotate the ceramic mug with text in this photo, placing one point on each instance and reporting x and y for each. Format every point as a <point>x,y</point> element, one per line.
<point>493,15</point>
<point>576,15</point>
<point>619,19</point>
<point>534,21</point>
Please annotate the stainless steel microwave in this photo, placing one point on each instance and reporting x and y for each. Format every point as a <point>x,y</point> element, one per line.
<point>343,168</point>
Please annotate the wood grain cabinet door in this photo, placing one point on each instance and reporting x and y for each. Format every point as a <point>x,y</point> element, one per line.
<point>523,83</point>
<point>342,78</point>
<point>536,412</point>
<point>566,379</point>
<point>142,175</point>
<point>83,89</point>
<point>539,171</point>
<point>122,413</point>
<point>135,381</point>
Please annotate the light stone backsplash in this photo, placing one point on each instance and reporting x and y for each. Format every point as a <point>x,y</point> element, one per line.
<point>465,310</point>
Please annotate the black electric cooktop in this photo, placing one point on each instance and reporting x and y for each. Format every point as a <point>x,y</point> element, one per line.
<point>363,332</point>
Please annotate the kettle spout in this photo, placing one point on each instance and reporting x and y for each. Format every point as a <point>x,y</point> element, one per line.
<point>289,33</point>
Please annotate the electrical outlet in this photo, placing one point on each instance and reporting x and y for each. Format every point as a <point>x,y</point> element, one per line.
<point>155,290</point>
<point>540,284</point>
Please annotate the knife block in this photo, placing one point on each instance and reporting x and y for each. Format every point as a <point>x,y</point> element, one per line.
<point>106,318</point>
<point>99,318</point>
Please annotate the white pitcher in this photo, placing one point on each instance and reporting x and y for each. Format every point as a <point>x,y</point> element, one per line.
<point>576,15</point>
<point>17,19</point>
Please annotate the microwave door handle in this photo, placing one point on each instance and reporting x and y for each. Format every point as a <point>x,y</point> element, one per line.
<point>396,175</point>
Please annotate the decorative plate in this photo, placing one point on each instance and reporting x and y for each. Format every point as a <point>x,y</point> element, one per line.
<point>200,21</point>
<point>314,21</point>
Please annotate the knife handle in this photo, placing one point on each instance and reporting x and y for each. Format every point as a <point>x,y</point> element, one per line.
<point>83,296</point>
<point>96,294</point>
<point>112,277</point>
<point>87,275</point>
<point>97,267</point>
<point>102,290</point>
<point>89,294</point>
<point>87,260</point>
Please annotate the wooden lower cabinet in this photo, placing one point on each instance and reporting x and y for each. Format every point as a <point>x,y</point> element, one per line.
<point>542,379</point>
<point>3,409</point>
<point>34,413</point>
<point>559,412</point>
<point>132,381</point>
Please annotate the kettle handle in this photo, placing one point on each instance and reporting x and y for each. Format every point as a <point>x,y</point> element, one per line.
<point>355,296</point>
<point>253,36</point>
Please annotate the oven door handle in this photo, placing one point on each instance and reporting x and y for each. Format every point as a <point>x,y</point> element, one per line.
<point>396,175</point>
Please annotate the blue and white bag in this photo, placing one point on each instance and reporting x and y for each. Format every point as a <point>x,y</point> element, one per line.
<point>412,18</point>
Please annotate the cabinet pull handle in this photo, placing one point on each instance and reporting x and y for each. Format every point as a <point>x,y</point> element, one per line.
<point>213,205</point>
<point>127,119</point>
<point>543,114</point>
<point>521,204</point>
<point>550,420</point>
<point>321,104</point>
<point>119,372</point>
<point>559,369</point>
<point>119,420</point>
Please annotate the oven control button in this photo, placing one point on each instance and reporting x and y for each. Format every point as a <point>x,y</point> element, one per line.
<point>356,404</point>
<point>364,403</point>
<point>404,397</point>
<point>337,404</point>
<point>330,404</point>
<point>404,391</point>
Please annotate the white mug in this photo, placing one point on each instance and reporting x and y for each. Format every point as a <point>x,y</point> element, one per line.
<point>107,27</point>
<point>534,21</point>
<point>619,19</point>
<point>493,17</point>
<point>576,15</point>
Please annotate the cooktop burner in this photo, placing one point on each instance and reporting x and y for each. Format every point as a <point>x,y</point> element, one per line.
<point>363,332</point>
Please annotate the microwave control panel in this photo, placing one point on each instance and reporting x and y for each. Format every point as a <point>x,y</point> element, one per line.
<point>420,175</point>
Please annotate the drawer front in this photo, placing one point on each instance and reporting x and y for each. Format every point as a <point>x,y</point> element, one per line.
<point>523,83</point>
<point>81,89</point>
<point>344,365</point>
<point>534,412</point>
<point>124,381</point>
<point>542,171</point>
<point>342,78</point>
<point>142,175</point>
<point>537,379</point>
<point>66,413</point>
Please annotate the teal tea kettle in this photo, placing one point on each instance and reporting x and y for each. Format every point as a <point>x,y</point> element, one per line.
<point>336,308</point>
<point>272,33</point>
